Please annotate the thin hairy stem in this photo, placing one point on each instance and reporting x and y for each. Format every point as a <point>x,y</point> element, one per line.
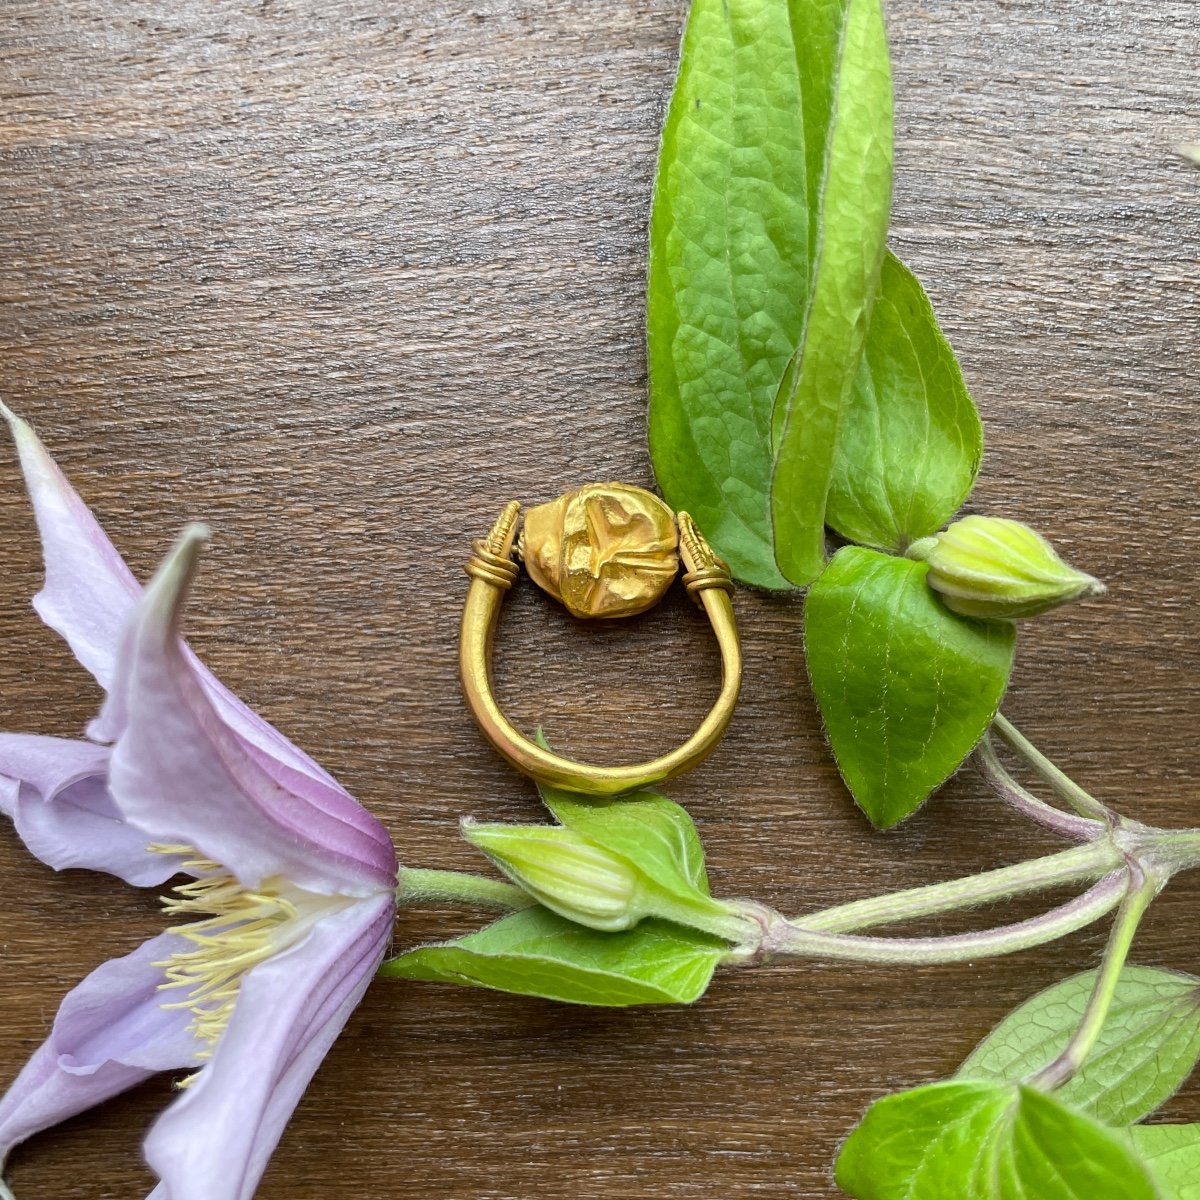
<point>1172,850</point>
<point>787,939</point>
<point>1068,825</point>
<point>1068,866</point>
<point>1083,802</point>
<point>418,886</point>
<point>1140,890</point>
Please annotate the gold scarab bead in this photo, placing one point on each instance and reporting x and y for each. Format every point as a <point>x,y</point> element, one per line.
<point>604,550</point>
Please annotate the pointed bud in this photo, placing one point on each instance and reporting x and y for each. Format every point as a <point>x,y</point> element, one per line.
<point>564,871</point>
<point>995,568</point>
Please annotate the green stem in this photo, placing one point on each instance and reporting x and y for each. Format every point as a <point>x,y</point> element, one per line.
<point>1141,890</point>
<point>1023,801</point>
<point>1083,802</point>
<point>787,939</point>
<point>416,885</point>
<point>1080,863</point>
<point>1170,850</point>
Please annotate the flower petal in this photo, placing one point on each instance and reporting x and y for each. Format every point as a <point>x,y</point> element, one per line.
<point>89,591</point>
<point>56,792</point>
<point>90,595</point>
<point>214,1141</point>
<point>111,1032</point>
<point>179,772</point>
<point>248,725</point>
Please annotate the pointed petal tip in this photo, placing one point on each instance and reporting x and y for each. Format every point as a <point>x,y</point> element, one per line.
<point>43,477</point>
<point>180,564</point>
<point>24,436</point>
<point>167,591</point>
<point>195,533</point>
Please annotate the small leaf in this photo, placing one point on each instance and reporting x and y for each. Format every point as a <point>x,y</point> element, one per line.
<point>1148,1046</point>
<point>911,439</point>
<point>905,687</point>
<point>538,953</point>
<point>643,826</point>
<point>658,837</point>
<point>982,1141</point>
<point>1172,1152</point>
<point>767,232</point>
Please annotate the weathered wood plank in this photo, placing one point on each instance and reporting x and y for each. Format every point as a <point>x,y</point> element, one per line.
<point>340,279</point>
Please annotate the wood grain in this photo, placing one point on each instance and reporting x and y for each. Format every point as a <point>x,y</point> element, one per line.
<point>341,278</point>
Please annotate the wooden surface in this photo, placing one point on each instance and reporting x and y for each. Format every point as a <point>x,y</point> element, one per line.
<point>341,277</point>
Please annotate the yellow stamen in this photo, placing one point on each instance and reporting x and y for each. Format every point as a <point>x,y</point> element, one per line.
<point>236,930</point>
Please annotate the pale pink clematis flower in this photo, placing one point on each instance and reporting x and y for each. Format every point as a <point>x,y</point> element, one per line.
<point>291,896</point>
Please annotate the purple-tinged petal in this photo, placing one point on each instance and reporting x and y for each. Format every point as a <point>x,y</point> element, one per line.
<point>89,591</point>
<point>331,798</point>
<point>249,726</point>
<point>90,594</point>
<point>182,774</point>
<point>56,792</point>
<point>111,1032</point>
<point>214,1141</point>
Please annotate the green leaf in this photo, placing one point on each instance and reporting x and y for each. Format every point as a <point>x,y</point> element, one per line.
<point>658,837</point>
<point>982,1141</point>
<point>538,953</point>
<point>640,825</point>
<point>911,440</point>
<point>644,826</point>
<point>905,687</point>
<point>766,236</point>
<point>1172,1152</point>
<point>1148,1046</point>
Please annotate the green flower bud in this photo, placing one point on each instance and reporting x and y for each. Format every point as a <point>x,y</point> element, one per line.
<point>562,870</point>
<point>995,568</point>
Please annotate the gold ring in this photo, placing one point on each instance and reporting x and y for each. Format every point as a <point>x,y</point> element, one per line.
<point>605,550</point>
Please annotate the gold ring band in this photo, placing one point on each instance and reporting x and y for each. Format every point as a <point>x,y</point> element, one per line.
<point>493,572</point>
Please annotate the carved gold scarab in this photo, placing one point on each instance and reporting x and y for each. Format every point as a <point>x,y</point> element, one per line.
<point>604,550</point>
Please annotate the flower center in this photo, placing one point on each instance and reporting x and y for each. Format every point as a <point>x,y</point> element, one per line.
<point>233,929</point>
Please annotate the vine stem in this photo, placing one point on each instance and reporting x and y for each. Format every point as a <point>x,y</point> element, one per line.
<point>1076,865</point>
<point>1083,802</point>
<point>1171,850</point>
<point>789,939</point>
<point>1079,829</point>
<point>1140,890</point>
<point>415,885</point>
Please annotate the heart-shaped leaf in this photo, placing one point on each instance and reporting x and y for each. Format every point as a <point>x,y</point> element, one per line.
<point>538,953</point>
<point>1149,1044</point>
<point>905,687</point>
<point>911,439</point>
<point>767,232</point>
<point>984,1141</point>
